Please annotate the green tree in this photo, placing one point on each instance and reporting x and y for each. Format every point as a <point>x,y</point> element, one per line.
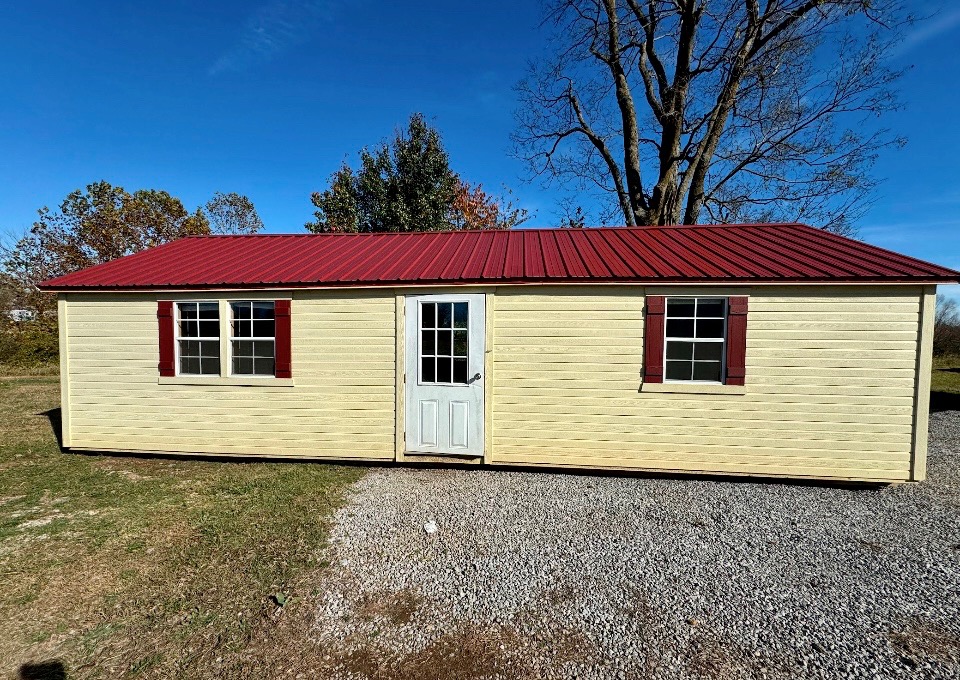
<point>407,185</point>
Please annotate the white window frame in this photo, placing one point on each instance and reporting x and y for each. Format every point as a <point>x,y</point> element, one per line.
<point>177,338</point>
<point>721,340</point>
<point>420,329</point>
<point>231,339</point>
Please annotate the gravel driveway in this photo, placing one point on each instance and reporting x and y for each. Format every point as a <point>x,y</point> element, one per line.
<point>534,574</point>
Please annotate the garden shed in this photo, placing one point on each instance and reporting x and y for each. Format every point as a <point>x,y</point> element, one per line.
<point>760,349</point>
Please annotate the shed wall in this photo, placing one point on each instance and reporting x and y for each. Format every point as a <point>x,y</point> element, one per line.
<point>341,405</point>
<point>829,390</point>
<point>831,384</point>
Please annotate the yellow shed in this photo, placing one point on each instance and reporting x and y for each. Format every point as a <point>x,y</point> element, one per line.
<point>762,350</point>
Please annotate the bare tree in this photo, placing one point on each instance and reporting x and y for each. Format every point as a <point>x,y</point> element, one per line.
<point>946,326</point>
<point>733,110</point>
<point>232,213</point>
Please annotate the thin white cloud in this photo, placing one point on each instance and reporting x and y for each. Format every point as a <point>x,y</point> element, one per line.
<point>274,27</point>
<point>909,233</point>
<point>927,30</point>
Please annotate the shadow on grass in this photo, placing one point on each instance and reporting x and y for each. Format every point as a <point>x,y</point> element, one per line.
<point>43,670</point>
<point>944,401</point>
<point>56,424</point>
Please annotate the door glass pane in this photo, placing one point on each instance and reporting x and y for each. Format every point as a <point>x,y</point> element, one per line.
<point>428,370</point>
<point>443,369</point>
<point>444,314</point>
<point>460,315</point>
<point>428,343</point>
<point>428,311</point>
<point>460,343</point>
<point>443,343</point>
<point>460,373</point>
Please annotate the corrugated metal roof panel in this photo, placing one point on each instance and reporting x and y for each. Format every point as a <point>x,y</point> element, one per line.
<point>699,253</point>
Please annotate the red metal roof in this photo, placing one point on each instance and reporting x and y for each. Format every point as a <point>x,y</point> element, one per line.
<point>723,253</point>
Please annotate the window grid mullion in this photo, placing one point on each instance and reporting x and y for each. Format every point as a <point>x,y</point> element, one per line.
<point>693,340</point>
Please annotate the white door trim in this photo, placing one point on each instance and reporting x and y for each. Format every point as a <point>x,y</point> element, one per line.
<point>444,417</point>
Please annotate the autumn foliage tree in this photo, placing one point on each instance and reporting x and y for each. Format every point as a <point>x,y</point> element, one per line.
<point>407,185</point>
<point>104,222</point>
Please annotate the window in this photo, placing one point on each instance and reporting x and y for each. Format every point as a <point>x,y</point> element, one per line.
<point>694,339</point>
<point>198,338</point>
<point>444,342</point>
<point>253,338</point>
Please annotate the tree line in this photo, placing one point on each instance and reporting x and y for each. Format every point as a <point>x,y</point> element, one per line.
<point>404,184</point>
<point>641,112</point>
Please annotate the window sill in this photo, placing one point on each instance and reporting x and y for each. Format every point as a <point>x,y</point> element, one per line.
<point>692,388</point>
<point>233,381</point>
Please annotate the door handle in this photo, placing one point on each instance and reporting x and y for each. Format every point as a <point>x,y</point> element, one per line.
<point>474,379</point>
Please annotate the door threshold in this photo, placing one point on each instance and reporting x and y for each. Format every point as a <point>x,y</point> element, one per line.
<point>443,458</point>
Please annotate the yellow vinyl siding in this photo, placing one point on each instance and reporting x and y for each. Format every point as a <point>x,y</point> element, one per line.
<point>830,385</point>
<point>341,405</point>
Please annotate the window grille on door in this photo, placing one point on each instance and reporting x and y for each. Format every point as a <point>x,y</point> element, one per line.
<point>444,343</point>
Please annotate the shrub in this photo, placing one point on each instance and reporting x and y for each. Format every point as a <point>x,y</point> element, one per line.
<point>29,343</point>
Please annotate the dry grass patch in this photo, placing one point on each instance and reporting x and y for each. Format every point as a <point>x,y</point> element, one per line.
<point>125,567</point>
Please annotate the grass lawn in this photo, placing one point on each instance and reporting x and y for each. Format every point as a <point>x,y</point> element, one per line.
<point>946,375</point>
<point>126,567</point>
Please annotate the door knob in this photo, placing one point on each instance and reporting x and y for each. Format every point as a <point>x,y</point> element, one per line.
<point>475,378</point>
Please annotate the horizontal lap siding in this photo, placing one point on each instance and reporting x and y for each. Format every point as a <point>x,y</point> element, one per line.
<point>341,405</point>
<point>829,393</point>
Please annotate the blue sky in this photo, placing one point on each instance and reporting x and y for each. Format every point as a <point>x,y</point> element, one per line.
<point>267,97</point>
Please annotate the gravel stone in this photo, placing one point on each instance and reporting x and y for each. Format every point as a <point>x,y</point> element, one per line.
<point>562,575</point>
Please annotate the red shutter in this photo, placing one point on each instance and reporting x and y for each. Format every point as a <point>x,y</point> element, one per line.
<point>281,310</point>
<point>736,340</point>
<point>165,325</point>
<point>653,339</point>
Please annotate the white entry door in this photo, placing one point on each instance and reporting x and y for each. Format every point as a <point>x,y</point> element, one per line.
<point>444,373</point>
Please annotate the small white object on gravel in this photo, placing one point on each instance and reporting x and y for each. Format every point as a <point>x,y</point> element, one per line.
<point>595,576</point>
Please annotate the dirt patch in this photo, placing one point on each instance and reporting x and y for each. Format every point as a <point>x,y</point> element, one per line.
<point>396,607</point>
<point>467,653</point>
<point>921,640</point>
